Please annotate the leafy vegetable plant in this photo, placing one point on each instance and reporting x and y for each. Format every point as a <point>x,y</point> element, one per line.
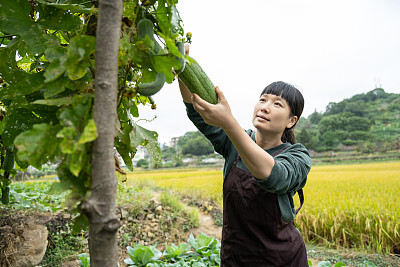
<point>200,251</point>
<point>84,260</point>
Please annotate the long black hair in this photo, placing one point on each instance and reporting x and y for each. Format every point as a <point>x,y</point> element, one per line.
<point>295,100</point>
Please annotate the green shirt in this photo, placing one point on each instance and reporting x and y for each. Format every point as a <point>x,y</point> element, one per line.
<point>288,175</point>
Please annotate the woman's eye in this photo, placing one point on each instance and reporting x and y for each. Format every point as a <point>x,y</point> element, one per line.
<point>262,99</point>
<point>278,104</point>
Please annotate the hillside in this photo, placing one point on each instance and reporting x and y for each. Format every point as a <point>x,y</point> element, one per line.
<point>367,123</point>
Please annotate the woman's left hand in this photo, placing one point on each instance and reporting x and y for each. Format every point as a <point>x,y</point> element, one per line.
<point>219,115</point>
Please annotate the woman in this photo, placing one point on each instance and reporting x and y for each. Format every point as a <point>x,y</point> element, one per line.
<point>263,170</point>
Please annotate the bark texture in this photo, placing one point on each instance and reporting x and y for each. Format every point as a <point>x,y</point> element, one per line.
<point>103,223</point>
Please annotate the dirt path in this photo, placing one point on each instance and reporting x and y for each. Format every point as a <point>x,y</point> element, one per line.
<point>207,226</point>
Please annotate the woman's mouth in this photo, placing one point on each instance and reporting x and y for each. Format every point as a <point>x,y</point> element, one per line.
<point>261,117</point>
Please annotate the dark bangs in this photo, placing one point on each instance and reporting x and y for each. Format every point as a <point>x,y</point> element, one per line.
<point>288,92</point>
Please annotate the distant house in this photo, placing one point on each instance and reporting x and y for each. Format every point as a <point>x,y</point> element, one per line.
<point>173,142</point>
<point>141,153</point>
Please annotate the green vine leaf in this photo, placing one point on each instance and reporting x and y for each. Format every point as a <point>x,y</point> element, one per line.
<point>19,82</point>
<point>78,114</point>
<point>76,161</point>
<point>55,101</point>
<point>58,58</point>
<point>17,121</point>
<point>129,10</point>
<point>171,46</point>
<point>163,15</point>
<point>73,8</point>
<point>8,53</point>
<point>53,18</point>
<point>38,145</point>
<point>68,136</point>
<point>149,139</point>
<point>127,153</point>
<point>14,19</point>
<point>79,50</point>
<point>89,133</point>
<point>164,64</point>
<point>75,59</point>
<point>55,87</point>
<point>176,21</point>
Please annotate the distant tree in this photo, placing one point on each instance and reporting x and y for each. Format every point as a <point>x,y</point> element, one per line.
<point>359,135</point>
<point>356,123</point>
<point>394,105</point>
<point>197,146</point>
<point>305,138</point>
<point>332,139</point>
<point>142,163</point>
<point>167,152</point>
<point>171,154</point>
<point>357,108</point>
<point>195,143</point>
<point>315,117</point>
<point>335,108</point>
<point>302,123</point>
<point>375,94</point>
<point>331,123</point>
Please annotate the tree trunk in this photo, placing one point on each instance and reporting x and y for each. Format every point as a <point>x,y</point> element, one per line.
<point>101,206</point>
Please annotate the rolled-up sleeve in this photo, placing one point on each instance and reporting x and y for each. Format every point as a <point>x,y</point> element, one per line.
<point>289,172</point>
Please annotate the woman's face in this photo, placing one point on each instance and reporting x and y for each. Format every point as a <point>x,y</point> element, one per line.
<point>272,115</point>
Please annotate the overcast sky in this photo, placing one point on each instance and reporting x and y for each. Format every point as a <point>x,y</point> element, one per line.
<point>330,50</point>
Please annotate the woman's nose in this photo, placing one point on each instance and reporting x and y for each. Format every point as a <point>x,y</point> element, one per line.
<point>265,107</point>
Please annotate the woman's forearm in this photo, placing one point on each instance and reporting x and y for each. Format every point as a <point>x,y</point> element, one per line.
<point>256,159</point>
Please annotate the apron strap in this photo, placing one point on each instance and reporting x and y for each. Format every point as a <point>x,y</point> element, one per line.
<point>279,151</point>
<point>236,160</point>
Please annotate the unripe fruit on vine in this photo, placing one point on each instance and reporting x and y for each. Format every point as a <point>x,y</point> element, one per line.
<point>145,27</point>
<point>151,88</point>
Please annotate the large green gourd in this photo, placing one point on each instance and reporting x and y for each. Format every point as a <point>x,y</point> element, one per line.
<point>194,77</point>
<point>145,28</point>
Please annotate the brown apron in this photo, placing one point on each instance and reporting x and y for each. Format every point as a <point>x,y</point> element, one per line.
<point>254,233</point>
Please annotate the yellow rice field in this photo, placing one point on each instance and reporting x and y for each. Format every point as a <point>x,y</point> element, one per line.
<point>345,205</point>
<point>204,183</point>
<point>353,206</point>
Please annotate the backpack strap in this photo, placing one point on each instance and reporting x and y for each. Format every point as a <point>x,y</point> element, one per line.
<point>301,197</point>
<point>300,191</point>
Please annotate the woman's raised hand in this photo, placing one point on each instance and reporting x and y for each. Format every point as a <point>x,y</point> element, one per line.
<point>219,115</point>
